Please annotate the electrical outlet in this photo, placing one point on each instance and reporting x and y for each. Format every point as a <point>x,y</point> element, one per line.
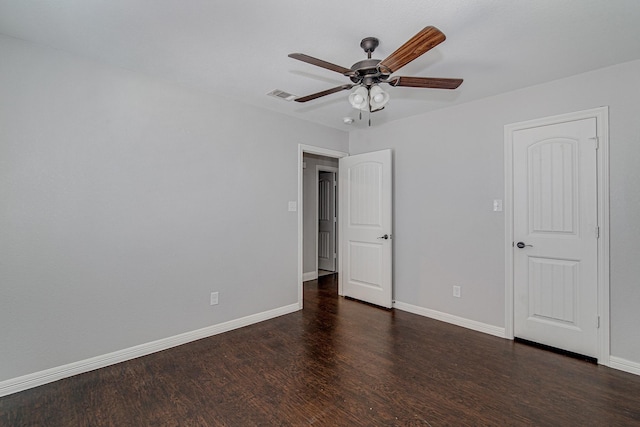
<point>214,298</point>
<point>456,291</point>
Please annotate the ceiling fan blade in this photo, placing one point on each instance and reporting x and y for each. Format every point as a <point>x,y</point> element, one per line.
<point>320,63</point>
<point>422,42</point>
<point>323,93</point>
<point>425,82</point>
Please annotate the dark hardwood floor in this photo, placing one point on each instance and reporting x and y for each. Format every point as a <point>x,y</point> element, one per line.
<point>338,363</point>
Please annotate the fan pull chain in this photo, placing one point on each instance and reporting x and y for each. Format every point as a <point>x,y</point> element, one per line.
<point>369,102</point>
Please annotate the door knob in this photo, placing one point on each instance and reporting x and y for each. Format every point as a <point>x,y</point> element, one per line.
<point>522,245</point>
<point>385,237</point>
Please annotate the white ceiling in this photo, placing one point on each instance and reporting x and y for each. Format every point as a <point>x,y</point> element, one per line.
<point>239,48</point>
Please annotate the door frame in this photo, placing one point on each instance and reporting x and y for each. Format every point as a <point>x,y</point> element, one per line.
<point>601,114</point>
<point>309,149</point>
<point>321,168</point>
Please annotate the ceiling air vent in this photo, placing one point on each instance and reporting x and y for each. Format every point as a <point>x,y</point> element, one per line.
<point>282,95</point>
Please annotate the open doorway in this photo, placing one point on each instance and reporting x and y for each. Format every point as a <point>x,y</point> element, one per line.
<point>319,212</point>
<point>309,158</point>
<point>365,204</point>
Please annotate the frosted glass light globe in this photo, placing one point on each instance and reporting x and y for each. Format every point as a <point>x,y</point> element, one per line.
<point>358,99</point>
<point>379,97</point>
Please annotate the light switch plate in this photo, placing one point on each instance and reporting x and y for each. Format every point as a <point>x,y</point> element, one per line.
<point>293,206</point>
<point>497,205</point>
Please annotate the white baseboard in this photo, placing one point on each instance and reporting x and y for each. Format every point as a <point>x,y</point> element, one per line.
<point>614,362</point>
<point>450,318</point>
<point>36,379</point>
<point>624,365</point>
<point>311,275</point>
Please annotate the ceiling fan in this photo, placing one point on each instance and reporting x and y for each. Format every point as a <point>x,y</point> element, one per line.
<point>367,74</point>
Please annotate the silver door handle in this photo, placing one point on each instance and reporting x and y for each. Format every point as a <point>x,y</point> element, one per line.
<point>385,237</point>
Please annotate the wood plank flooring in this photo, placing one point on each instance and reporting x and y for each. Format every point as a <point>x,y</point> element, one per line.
<point>338,363</point>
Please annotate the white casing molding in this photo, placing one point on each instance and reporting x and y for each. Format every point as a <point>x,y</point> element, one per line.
<point>36,379</point>
<point>450,318</point>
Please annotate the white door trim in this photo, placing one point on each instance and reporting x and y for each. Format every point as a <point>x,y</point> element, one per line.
<point>309,149</point>
<point>321,168</point>
<point>601,114</point>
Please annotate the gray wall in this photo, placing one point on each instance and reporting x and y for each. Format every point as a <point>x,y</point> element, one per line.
<point>449,168</point>
<point>309,215</point>
<point>126,200</point>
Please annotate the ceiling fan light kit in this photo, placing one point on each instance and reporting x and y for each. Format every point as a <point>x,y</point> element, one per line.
<point>371,98</point>
<point>377,98</point>
<point>367,74</point>
<point>359,98</point>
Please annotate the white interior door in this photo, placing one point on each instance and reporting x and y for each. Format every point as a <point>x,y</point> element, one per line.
<point>555,230</point>
<point>327,221</point>
<point>365,223</point>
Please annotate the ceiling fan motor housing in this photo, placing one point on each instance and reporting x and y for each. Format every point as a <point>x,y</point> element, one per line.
<point>366,71</point>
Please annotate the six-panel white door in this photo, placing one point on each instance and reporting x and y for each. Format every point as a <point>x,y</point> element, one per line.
<point>555,231</point>
<point>365,223</point>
